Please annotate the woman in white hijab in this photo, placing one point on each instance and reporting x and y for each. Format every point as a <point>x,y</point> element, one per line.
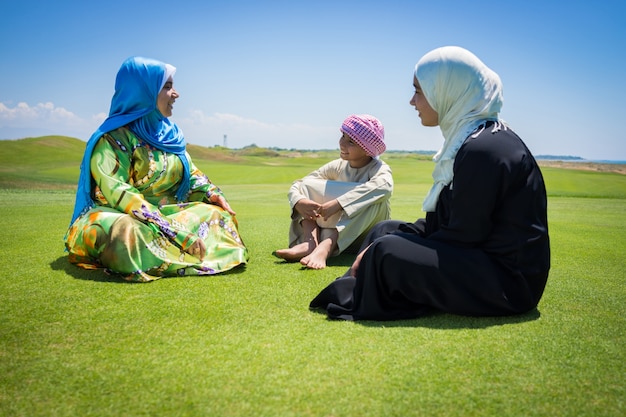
<point>483,248</point>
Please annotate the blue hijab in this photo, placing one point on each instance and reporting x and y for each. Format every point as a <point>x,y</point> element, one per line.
<point>134,103</point>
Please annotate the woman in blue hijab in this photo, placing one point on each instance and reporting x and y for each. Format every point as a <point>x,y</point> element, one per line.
<point>143,210</point>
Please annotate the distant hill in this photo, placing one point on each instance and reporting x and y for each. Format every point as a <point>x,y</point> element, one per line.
<point>69,144</point>
<point>52,162</point>
<point>45,162</point>
<point>560,157</point>
<point>42,147</point>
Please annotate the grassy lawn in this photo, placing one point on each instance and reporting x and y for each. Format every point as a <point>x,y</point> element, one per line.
<point>81,343</point>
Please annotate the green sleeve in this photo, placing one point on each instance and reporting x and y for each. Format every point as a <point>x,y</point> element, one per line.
<point>201,186</point>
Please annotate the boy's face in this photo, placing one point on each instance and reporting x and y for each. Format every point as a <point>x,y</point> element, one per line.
<point>350,151</point>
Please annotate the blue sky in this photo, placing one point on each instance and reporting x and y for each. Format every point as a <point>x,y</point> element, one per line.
<point>286,73</point>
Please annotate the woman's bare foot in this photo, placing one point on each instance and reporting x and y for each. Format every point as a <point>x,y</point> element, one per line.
<point>295,253</point>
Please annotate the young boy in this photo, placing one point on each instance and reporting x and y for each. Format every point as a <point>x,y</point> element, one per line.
<point>336,205</point>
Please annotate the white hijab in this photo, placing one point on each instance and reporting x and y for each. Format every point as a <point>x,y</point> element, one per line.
<point>465,93</point>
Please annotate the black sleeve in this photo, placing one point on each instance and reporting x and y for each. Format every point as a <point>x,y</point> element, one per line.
<point>483,170</point>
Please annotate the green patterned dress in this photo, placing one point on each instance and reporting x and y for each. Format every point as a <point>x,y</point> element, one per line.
<point>137,229</point>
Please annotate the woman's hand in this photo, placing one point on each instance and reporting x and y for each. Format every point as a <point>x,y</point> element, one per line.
<point>219,200</point>
<point>308,209</point>
<point>329,208</point>
<point>355,265</point>
<point>197,249</point>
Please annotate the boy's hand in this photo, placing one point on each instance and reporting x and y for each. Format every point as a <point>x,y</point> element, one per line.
<point>329,208</point>
<point>308,209</point>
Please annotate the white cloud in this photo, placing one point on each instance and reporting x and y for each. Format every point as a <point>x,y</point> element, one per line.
<point>209,130</point>
<point>199,128</point>
<point>43,117</point>
<point>97,119</point>
<point>22,113</point>
<point>25,120</point>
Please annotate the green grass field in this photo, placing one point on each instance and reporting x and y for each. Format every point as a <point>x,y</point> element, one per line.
<point>80,343</point>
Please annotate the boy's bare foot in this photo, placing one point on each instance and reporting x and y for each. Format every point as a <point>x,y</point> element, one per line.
<point>315,260</point>
<point>295,253</point>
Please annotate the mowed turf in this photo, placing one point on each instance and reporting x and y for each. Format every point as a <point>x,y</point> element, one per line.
<point>81,343</point>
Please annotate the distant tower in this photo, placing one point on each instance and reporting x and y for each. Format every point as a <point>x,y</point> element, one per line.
<point>226,141</point>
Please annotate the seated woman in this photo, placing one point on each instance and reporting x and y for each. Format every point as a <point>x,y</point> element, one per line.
<point>483,248</point>
<point>143,209</point>
<point>335,206</point>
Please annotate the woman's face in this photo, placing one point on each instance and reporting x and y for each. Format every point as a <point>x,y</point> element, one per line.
<point>426,113</point>
<point>166,98</point>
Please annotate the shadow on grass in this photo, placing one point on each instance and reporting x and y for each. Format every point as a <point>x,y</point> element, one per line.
<point>437,320</point>
<point>343,259</point>
<point>451,321</point>
<point>100,275</point>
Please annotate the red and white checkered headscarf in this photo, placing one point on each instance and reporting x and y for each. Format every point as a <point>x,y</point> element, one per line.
<point>367,131</point>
